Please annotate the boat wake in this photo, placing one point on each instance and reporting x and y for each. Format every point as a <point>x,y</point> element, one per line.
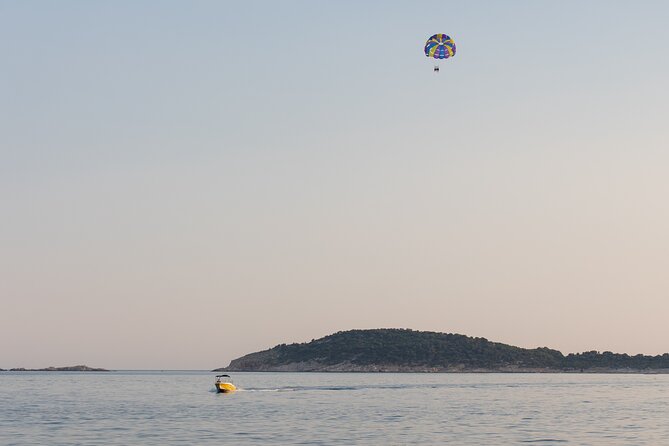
<point>282,389</point>
<point>320,388</point>
<point>362,387</point>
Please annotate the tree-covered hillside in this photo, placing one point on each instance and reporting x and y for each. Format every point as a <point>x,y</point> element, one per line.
<point>407,350</point>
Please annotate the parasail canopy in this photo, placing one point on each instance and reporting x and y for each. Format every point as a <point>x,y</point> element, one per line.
<point>440,46</point>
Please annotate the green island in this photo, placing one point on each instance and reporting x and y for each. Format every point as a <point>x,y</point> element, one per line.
<point>405,350</point>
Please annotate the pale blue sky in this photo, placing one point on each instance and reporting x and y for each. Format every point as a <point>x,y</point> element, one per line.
<point>174,174</point>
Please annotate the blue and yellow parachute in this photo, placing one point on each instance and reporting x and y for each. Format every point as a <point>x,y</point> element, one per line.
<point>440,46</point>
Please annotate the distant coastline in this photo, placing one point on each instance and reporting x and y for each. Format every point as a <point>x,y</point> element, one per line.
<point>409,351</point>
<point>72,368</point>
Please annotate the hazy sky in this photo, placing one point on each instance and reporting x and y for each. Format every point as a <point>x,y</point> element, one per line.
<point>185,182</point>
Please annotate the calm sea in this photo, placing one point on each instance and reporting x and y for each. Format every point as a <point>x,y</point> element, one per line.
<point>181,408</point>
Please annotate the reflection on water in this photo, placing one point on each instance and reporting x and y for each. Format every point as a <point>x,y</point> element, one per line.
<point>178,408</point>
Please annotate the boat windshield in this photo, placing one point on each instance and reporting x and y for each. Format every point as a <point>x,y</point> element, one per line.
<point>223,379</point>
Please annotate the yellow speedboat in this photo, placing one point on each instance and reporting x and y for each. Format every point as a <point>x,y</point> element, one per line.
<point>224,384</point>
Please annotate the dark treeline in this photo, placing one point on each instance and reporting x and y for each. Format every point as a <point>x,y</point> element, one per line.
<point>594,359</point>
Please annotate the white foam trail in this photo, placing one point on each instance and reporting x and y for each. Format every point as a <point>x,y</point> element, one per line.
<point>266,390</point>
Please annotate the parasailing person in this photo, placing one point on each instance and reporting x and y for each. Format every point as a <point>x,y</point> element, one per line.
<point>439,46</point>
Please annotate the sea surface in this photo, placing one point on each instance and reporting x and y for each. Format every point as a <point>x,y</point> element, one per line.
<point>181,408</point>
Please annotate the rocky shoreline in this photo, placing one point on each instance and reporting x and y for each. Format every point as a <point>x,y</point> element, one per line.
<point>354,368</point>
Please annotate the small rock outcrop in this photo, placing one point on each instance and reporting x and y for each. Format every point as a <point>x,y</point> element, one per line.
<point>72,368</point>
